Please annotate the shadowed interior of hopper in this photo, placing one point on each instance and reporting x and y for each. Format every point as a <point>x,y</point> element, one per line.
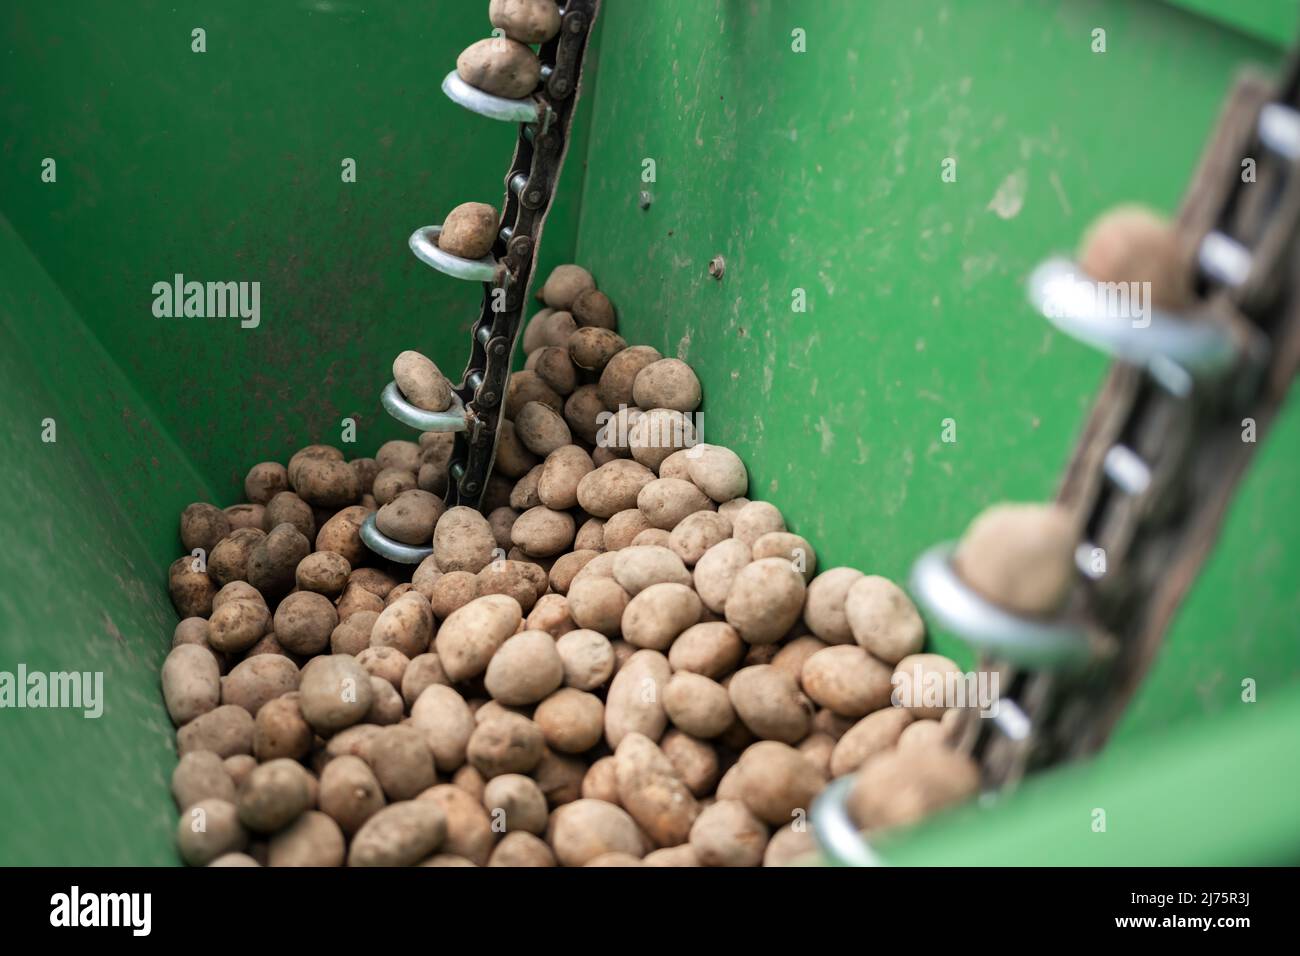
<point>815,175</point>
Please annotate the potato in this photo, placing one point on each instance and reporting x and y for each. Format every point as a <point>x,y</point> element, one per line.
<point>572,721</point>
<point>657,614</point>
<point>314,839</point>
<point>824,607</point>
<point>728,834</point>
<point>600,781</point>
<point>452,591</point>
<point>520,580</point>
<point>524,493</point>
<point>590,536</point>
<point>201,775</point>
<point>894,788</point>
<point>776,782</point>
<point>585,829</point>
<point>883,619</point>
<point>587,657</point>
<point>392,482</point>
<point>788,846</point>
<point>696,533</point>
<point>791,548</point>
<point>246,516</point>
<point>515,803</point>
<point>366,470</point>
<point>470,229</point>
<point>873,734</point>
<point>659,433</point>
<point>194,630</point>
<point>406,625</point>
<point>236,626</point>
<point>543,532</point>
<point>637,568</point>
<point>225,730</point>
<point>597,604</point>
<point>667,383</point>
<point>712,649</point>
<point>239,766</point>
<point>769,702</point>
<point>469,831</point>
<point>652,538</point>
<point>386,663</point>
<point>676,856</point>
<point>326,483</point>
<point>386,707</point>
<point>513,460</point>
<point>634,703</point>
<point>287,508</point>
<point>618,378</point>
<point>666,502</point>
<point>582,413</point>
<point>650,791</point>
<point>923,735</point>
<point>274,795</point>
<point>765,600</point>
<point>622,528</point>
<point>310,453</point>
<point>525,669</point>
<point>304,621</point>
<point>444,718</point>
<point>521,849</point>
<point>274,560</point>
<point>563,470</point>
<point>848,680</point>
<point>817,748</point>
<point>191,591</point>
<point>564,285</point>
<point>203,526</point>
<point>699,706</point>
<point>790,657</point>
<point>1020,557</point>
<point>1131,243</point>
<point>410,517</point>
<point>209,829</point>
<point>402,762</point>
<point>257,680</point>
<point>229,558</point>
<point>525,387</point>
<point>553,365</point>
<point>716,571</point>
<point>472,634</point>
<point>264,481</point>
<point>349,792</point>
<point>191,682</point>
<point>401,834</point>
<point>591,348</point>
<point>325,572</point>
<point>462,541</point>
<point>922,684</point>
<point>422,672</point>
<point>506,743</point>
<point>541,429</point>
<point>551,614</point>
<point>695,761</point>
<point>280,730</point>
<point>420,381</point>
<point>352,636</point>
<point>335,693</point>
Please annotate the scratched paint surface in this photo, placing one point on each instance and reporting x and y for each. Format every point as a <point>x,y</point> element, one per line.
<point>820,171</point>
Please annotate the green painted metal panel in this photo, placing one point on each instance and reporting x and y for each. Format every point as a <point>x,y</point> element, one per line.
<point>820,171</point>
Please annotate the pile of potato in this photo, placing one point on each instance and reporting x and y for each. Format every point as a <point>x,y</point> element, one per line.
<point>505,64</point>
<point>623,660</point>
